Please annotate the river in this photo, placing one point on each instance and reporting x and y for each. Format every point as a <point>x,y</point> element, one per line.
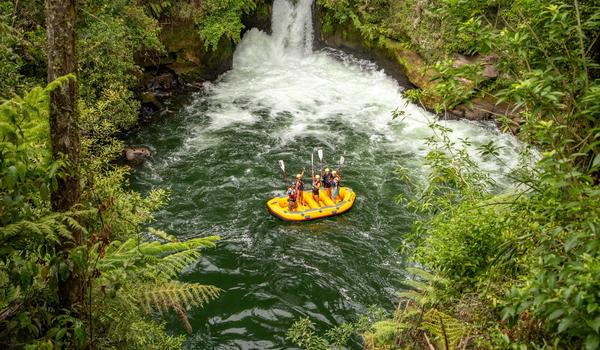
<point>218,156</point>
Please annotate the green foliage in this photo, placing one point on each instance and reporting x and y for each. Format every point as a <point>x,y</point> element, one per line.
<point>22,48</point>
<point>140,276</point>
<point>27,170</point>
<point>110,35</point>
<point>370,17</point>
<point>220,19</point>
<point>302,332</point>
<point>521,266</point>
<point>130,279</point>
<point>530,253</point>
<point>125,282</point>
<point>29,266</point>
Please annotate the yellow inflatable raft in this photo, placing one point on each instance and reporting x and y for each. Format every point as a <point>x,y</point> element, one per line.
<point>278,206</point>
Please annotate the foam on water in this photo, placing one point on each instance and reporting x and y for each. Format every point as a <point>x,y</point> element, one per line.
<point>219,154</point>
<point>306,90</point>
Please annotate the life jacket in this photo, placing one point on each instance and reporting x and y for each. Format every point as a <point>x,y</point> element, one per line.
<point>292,195</point>
<point>336,183</point>
<point>299,185</point>
<point>328,179</point>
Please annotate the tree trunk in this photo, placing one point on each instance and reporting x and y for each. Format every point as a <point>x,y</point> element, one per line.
<point>60,30</point>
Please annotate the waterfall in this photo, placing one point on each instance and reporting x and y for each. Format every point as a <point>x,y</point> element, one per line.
<point>292,37</point>
<point>314,94</point>
<point>292,26</point>
<point>219,158</point>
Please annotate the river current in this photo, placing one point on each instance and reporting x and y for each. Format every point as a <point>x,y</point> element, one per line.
<point>218,156</point>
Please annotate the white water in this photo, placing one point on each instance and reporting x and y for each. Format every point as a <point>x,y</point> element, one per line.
<point>281,100</point>
<point>280,73</point>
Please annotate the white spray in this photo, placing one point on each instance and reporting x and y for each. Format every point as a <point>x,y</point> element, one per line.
<point>281,73</point>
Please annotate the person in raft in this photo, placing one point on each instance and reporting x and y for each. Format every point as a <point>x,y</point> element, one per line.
<point>291,192</point>
<point>316,185</point>
<point>336,185</point>
<point>327,181</point>
<point>300,187</point>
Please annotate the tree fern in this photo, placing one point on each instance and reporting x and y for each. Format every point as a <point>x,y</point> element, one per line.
<point>168,258</point>
<point>177,295</point>
<point>425,289</point>
<point>173,264</point>
<point>149,269</point>
<point>53,227</point>
<point>446,330</point>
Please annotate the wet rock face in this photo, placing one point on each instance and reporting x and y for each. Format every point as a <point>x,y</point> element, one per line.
<point>136,155</point>
<point>156,88</point>
<point>409,68</point>
<point>185,54</point>
<point>488,62</point>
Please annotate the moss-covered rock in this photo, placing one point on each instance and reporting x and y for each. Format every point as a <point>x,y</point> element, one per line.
<point>405,64</point>
<point>185,53</point>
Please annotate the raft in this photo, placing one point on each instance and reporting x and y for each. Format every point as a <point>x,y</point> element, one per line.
<point>278,206</point>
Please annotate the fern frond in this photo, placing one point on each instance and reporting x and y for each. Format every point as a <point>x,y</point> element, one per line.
<point>171,265</point>
<point>444,328</point>
<point>411,294</point>
<point>175,294</point>
<point>156,248</point>
<point>418,286</point>
<point>425,275</point>
<point>50,227</point>
<point>74,225</point>
<point>160,234</point>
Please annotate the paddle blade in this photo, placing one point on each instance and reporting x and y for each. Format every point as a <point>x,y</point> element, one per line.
<point>282,165</point>
<point>342,160</point>
<point>320,152</point>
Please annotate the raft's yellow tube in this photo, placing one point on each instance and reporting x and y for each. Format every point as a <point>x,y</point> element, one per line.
<point>278,206</point>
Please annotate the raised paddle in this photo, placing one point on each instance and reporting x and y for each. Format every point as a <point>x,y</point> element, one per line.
<point>341,163</point>
<point>320,153</point>
<point>285,178</point>
<point>312,165</point>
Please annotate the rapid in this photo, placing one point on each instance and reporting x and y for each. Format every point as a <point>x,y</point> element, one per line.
<point>218,157</point>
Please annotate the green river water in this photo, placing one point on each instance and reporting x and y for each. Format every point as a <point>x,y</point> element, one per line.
<point>218,152</point>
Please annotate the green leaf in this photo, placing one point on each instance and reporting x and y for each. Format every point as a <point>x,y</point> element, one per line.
<point>60,333</point>
<point>596,162</point>
<point>571,242</point>
<point>565,324</point>
<point>592,342</point>
<point>79,335</point>
<point>595,324</point>
<point>556,314</point>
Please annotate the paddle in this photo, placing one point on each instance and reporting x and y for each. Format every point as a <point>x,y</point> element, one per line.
<point>285,178</point>
<point>312,165</point>
<point>320,153</point>
<point>341,163</point>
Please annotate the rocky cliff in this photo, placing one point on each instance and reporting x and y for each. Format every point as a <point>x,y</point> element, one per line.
<point>412,70</point>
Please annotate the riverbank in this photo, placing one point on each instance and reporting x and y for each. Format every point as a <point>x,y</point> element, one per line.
<point>401,59</point>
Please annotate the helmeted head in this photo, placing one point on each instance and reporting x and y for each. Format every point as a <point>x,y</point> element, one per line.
<point>317,177</point>
<point>299,176</point>
<point>326,170</point>
<point>334,172</point>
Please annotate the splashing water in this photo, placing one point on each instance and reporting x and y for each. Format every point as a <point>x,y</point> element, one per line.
<point>219,157</point>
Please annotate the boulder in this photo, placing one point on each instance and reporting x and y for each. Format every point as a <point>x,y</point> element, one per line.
<point>136,154</point>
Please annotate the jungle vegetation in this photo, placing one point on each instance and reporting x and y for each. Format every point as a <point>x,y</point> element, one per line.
<point>512,269</point>
<point>517,269</point>
<point>76,268</point>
